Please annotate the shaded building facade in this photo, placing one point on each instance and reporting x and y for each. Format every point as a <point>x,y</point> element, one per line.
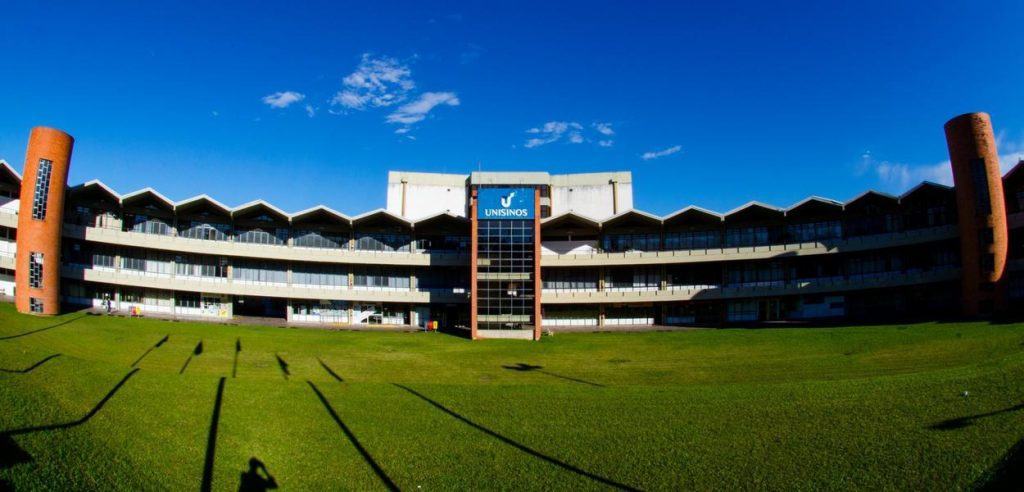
<point>506,255</point>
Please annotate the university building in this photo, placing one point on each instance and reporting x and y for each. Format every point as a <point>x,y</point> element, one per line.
<point>505,254</point>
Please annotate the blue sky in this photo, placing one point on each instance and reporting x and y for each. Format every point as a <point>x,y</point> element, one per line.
<point>707,103</point>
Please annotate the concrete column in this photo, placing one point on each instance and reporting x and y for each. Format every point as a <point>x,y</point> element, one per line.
<point>600,315</point>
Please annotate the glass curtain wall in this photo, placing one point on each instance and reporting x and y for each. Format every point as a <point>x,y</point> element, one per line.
<point>505,283</point>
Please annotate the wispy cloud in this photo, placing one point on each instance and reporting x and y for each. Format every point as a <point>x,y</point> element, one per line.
<point>604,129</point>
<point>572,131</point>
<point>553,131</point>
<point>901,176</point>
<point>657,154</point>
<point>376,82</point>
<point>283,99</point>
<point>310,110</point>
<point>416,111</point>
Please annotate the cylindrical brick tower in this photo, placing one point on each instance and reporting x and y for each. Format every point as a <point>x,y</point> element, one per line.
<point>40,216</point>
<point>981,212</point>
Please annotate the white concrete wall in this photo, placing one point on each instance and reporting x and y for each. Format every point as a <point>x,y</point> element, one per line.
<point>594,201</point>
<point>426,194</point>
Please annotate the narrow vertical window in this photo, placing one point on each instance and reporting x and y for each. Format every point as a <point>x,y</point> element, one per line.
<point>42,190</point>
<point>979,179</point>
<point>35,270</point>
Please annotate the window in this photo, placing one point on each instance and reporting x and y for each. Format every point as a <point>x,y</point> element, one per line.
<point>814,231</point>
<point>986,236</point>
<point>682,241</point>
<point>746,236</point>
<point>207,230</point>
<point>35,270</point>
<point>306,238</point>
<point>186,300</point>
<point>148,225</point>
<point>259,272</point>
<point>632,242</point>
<point>382,277</point>
<point>382,242</point>
<point>979,179</point>
<point>35,305</point>
<point>42,190</point>
<point>258,235</point>
<point>988,262</point>
<point>201,266</point>
<point>324,276</point>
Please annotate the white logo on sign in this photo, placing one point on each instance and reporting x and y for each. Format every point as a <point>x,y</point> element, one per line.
<point>506,201</point>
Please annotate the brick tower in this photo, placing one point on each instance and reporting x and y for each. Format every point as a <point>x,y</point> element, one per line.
<point>981,212</point>
<point>40,215</point>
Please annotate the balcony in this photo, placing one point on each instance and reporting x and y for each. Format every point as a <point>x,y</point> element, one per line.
<point>762,289</point>
<point>220,285</point>
<point>859,243</point>
<point>262,251</point>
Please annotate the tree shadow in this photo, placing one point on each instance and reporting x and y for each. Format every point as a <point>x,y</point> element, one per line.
<point>524,367</point>
<point>961,422</point>
<point>32,367</point>
<point>234,367</point>
<point>195,352</point>
<point>27,333</point>
<point>283,365</point>
<point>150,349</point>
<point>521,447</point>
<point>254,481</point>
<point>211,440</point>
<point>1007,474</point>
<point>73,423</point>
<point>355,442</point>
<point>11,453</point>
<point>330,371</point>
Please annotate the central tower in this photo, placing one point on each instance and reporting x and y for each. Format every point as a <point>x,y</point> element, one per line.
<point>505,257</point>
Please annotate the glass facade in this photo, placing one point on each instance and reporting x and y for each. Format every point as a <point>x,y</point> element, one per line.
<point>42,189</point>
<point>505,274</point>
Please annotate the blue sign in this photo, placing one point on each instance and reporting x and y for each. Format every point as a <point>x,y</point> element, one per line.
<point>505,203</point>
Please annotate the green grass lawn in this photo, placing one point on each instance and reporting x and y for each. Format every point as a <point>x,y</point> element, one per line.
<point>879,407</point>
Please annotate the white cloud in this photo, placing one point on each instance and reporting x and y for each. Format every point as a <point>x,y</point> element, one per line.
<point>604,129</point>
<point>283,99</point>
<point>553,131</point>
<point>310,110</point>
<point>417,111</point>
<point>899,176</point>
<point>377,82</point>
<point>661,153</point>
<point>605,143</point>
<point>403,130</point>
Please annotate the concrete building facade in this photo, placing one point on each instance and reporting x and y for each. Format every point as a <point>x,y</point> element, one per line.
<point>505,255</point>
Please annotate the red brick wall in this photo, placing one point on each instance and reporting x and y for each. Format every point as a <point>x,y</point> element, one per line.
<point>42,236</point>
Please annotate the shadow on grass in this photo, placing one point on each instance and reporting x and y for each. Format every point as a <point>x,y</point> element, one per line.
<point>195,352</point>
<point>234,367</point>
<point>33,366</point>
<point>27,333</point>
<point>283,365</point>
<point>211,439</point>
<point>523,367</point>
<point>1008,474</point>
<point>521,447</point>
<point>961,422</point>
<point>11,453</point>
<point>355,442</point>
<point>254,481</point>
<point>150,349</point>
<point>73,423</point>
<point>330,371</point>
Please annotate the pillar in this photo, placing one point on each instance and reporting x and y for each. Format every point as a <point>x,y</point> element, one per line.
<point>40,217</point>
<point>981,212</point>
